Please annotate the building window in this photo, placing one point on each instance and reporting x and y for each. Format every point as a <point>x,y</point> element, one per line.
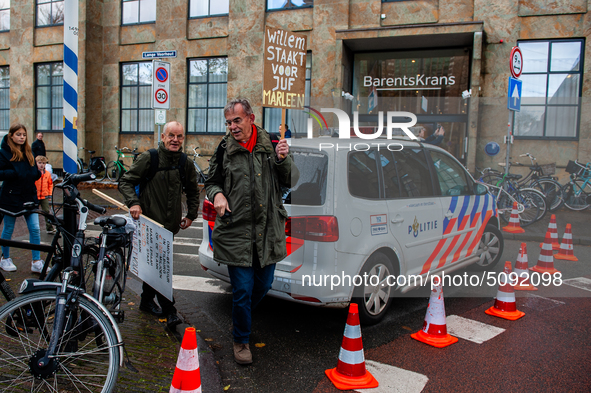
<point>50,12</point>
<point>138,11</point>
<point>207,95</point>
<point>199,8</point>
<point>288,4</point>
<point>296,119</point>
<point>550,97</point>
<point>137,114</point>
<point>4,99</point>
<point>49,93</point>
<point>4,15</point>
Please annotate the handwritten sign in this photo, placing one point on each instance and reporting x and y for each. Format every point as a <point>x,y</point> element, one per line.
<point>151,258</point>
<point>284,69</point>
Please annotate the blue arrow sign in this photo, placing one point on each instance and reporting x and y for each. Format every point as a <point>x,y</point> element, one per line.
<point>514,95</point>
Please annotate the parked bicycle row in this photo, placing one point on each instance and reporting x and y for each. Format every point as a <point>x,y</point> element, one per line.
<point>539,190</point>
<point>113,170</point>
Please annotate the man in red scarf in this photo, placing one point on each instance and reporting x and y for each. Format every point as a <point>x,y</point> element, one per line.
<point>246,173</point>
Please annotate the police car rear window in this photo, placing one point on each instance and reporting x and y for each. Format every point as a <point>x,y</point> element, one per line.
<point>310,189</point>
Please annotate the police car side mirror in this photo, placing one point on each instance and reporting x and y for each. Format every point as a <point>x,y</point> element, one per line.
<point>480,189</point>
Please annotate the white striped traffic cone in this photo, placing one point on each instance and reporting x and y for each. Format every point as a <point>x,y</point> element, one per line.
<point>566,247</point>
<point>187,377</point>
<point>523,283</point>
<point>434,330</point>
<point>505,306</point>
<point>350,372</point>
<point>546,259</point>
<point>553,233</point>
<point>514,226</point>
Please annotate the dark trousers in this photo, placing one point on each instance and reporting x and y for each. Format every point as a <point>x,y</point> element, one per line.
<point>148,294</point>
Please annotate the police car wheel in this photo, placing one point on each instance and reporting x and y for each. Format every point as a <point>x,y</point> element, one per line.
<point>490,249</point>
<point>373,296</point>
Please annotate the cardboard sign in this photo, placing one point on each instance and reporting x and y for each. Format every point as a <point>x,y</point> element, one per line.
<point>151,258</point>
<point>284,69</point>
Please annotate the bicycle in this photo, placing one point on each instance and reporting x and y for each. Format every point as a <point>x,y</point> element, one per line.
<point>55,336</point>
<point>116,169</point>
<point>201,173</point>
<point>96,165</point>
<point>578,190</point>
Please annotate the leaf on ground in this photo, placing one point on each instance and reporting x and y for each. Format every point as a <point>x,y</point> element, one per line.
<point>8,279</point>
<point>209,339</point>
<point>162,320</point>
<point>131,304</point>
<point>260,345</point>
<point>226,387</point>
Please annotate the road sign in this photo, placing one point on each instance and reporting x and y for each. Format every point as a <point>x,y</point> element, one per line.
<point>160,84</point>
<point>158,54</point>
<point>160,116</point>
<point>514,95</point>
<point>516,62</point>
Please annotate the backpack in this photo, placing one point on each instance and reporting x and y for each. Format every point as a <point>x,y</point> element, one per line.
<point>153,169</point>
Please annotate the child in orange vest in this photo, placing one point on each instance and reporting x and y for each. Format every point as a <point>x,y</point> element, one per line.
<point>44,189</point>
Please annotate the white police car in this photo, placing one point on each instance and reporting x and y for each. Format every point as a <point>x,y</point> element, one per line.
<point>367,217</point>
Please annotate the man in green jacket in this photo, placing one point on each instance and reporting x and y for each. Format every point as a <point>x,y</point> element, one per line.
<point>160,200</point>
<point>244,184</point>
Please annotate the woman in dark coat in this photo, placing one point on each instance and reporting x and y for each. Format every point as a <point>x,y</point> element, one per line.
<point>18,172</point>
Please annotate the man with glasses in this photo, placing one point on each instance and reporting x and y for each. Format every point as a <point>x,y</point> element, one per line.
<point>160,199</point>
<point>249,232</point>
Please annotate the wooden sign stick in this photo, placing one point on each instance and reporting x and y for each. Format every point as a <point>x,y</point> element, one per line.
<point>121,205</point>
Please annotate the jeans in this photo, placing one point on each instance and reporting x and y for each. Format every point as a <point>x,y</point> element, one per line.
<point>34,233</point>
<point>249,286</point>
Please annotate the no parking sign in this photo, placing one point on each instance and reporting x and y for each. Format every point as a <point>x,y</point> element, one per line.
<point>160,85</point>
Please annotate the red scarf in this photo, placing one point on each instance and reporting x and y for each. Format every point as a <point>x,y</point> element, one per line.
<point>252,141</point>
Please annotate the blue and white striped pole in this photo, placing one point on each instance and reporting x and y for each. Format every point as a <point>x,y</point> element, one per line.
<point>70,85</point>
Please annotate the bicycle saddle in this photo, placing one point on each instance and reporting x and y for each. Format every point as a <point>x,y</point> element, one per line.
<point>91,151</point>
<point>116,222</point>
<point>514,177</point>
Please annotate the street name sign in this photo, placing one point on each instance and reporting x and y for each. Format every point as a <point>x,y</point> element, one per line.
<point>158,54</point>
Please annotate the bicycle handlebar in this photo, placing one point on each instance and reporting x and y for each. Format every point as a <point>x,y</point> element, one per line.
<point>93,207</point>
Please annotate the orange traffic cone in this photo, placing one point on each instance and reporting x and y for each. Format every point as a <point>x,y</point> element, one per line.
<point>523,283</point>
<point>553,233</point>
<point>187,377</point>
<point>434,330</point>
<point>514,226</point>
<point>350,372</point>
<point>505,306</point>
<point>566,247</point>
<point>546,259</point>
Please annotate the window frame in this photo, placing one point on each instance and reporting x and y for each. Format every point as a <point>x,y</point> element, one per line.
<point>208,83</point>
<point>139,13</point>
<point>37,12</point>
<point>7,110</point>
<point>51,107</point>
<point>137,108</point>
<point>267,9</point>
<point>4,9</point>
<point>546,105</point>
<point>209,15</point>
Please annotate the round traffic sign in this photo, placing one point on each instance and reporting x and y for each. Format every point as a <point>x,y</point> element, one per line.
<point>161,74</point>
<point>161,96</point>
<point>516,62</point>
<point>492,148</point>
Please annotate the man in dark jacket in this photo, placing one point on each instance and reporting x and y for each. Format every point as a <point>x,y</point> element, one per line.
<point>160,200</point>
<point>38,146</point>
<point>244,184</point>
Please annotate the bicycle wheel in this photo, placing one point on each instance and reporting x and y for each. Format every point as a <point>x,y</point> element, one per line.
<point>575,196</point>
<point>80,362</point>
<point>553,192</point>
<point>112,279</point>
<point>492,178</point>
<point>101,172</point>
<point>113,171</point>
<point>89,257</point>
<point>534,205</point>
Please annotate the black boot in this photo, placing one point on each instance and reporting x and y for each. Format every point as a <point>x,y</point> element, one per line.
<point>151,307</point>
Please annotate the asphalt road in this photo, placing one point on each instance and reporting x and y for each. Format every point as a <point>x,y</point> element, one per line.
<point>547,350</point>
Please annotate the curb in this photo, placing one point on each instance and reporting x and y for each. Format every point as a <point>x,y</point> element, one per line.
<point>583,241</point>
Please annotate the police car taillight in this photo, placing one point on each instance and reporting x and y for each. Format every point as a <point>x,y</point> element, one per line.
<point>316,228</point>
<point>209,213</point>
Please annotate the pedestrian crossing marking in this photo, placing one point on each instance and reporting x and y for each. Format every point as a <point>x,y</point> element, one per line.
<point>471,330</point>
<point>393,379</point>
<point>539,303</point>
<point>200,284</point>
<point>579,282</point>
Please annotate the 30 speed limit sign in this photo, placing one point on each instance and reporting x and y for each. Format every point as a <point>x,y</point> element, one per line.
<point>160,85</point>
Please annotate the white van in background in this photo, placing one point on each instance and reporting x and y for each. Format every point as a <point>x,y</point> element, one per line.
<point>382,213</point>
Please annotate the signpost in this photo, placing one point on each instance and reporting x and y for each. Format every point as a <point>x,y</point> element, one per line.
<point>70,100</point>
<point>284,71</point>
<point>513,96</point>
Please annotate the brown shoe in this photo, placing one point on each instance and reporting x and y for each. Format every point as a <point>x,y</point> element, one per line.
<point>242,353</point>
